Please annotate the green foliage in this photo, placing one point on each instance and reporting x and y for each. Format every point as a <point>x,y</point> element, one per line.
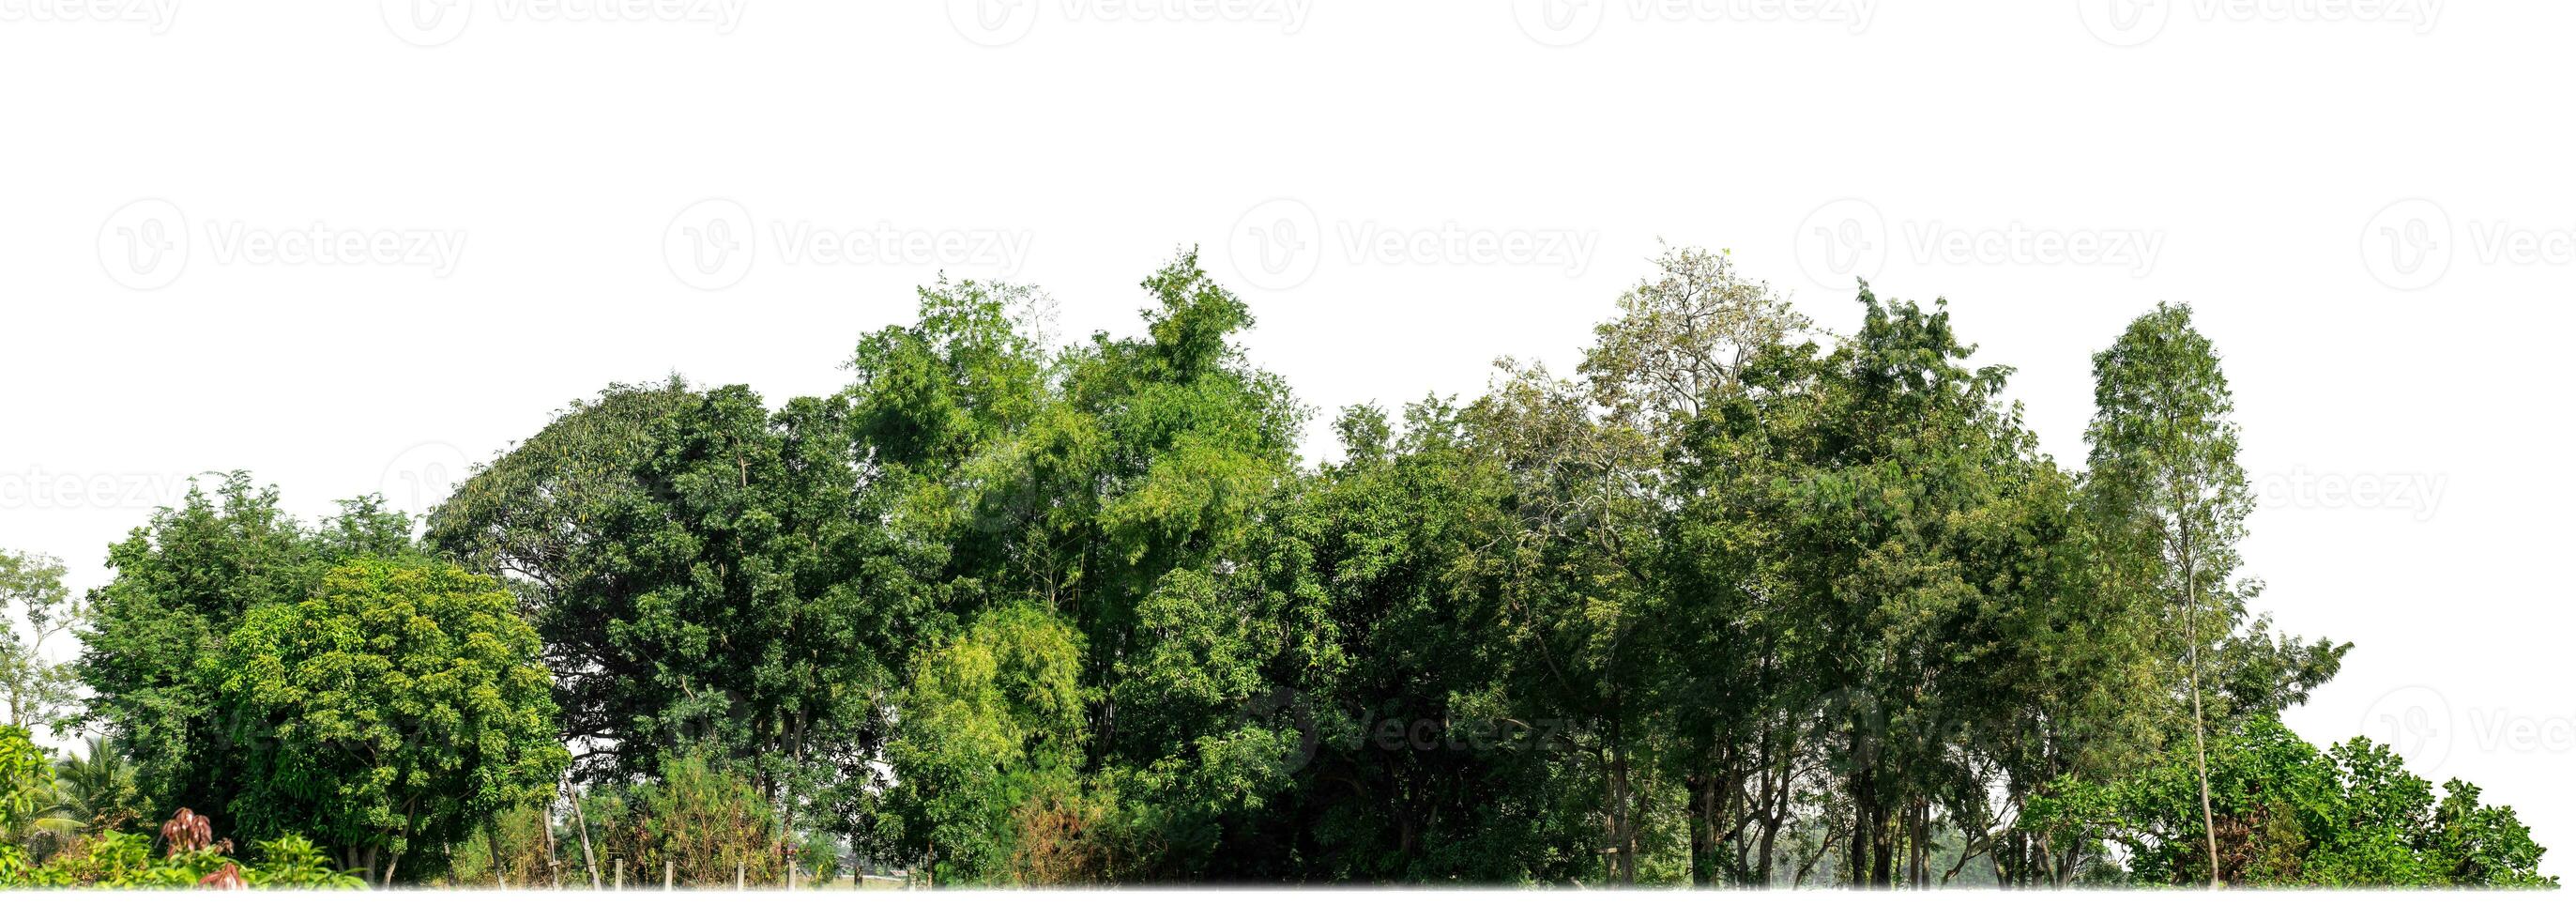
<point>990,717</point>
<point>99,785</point>
<point>702,572</point>
<point>115,859</point>
<point>37,689</point>
<point>24,780</point>
<point>1740,602</point>
<point>2288,815</point>
<point>109,858</point>
<point>394,711</point>
<point>818,857</point>
<point>182,583</point>
<point>697,816</point>
<point>511,849</point>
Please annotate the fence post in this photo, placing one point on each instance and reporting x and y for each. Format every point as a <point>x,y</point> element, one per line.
<point>737,875</point>
<point>620,884</point>
<point>670,872</point>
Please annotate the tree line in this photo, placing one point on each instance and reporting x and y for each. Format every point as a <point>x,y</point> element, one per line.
<point>1735,602</point>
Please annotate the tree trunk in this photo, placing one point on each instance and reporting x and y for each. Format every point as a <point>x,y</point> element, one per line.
<point>1883,857</point>
<point>1623,829</point>
<point>2199,725</point>
<point>1863,836</point>
<point>1703,869</point>
<point>492,845</point>
<point>1774,813</point>
<point>554,867</point>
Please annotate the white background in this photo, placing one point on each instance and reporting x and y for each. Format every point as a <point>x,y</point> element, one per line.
<point>2369,204</point>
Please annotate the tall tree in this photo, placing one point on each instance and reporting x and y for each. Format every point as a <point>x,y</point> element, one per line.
<point>1680,344</point>
<point>1109,486</point>
<point>2164,471</point>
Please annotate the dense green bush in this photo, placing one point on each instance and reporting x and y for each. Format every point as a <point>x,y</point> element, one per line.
<point>699,817</point>
<point>115,859</point>
<point>2289,815</point>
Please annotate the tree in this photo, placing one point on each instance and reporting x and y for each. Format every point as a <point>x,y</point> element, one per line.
<point>25,782</point>
<point>390,714</point>
<point>37,689</point>
<point>991,718</point>
<point>707,577</point>
<point>99,783</point>
<point>183,582</point>
<point>1684,338</point>
<point>1418,762</point>
<point>2173,500</point>
<point>1111,487</point>
<point>1681,343</point>
<point>1735,603</point>
<point>704,819</point>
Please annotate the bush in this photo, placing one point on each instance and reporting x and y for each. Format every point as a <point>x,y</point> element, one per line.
<point>2289,815</point>
<point>701,818</point>
<point>115,859</point>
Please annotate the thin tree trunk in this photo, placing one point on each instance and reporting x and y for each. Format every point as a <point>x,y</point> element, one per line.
<point>492,845</point>
<point>1774,813</point>
<point>554,866</point>
<point>1696,795</point>
<point>1623,831</point>
<point>581,825</point>
<point>2199,723</point>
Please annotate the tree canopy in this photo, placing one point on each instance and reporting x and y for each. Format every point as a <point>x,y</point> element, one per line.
<point>1735,601</point>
